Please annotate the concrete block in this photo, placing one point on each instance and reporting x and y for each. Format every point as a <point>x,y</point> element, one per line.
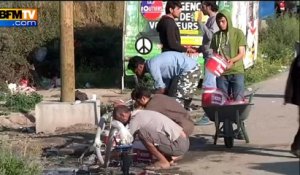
<point>52,115</point>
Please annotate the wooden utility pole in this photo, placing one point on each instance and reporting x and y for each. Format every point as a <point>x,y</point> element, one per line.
<point>67,52</point>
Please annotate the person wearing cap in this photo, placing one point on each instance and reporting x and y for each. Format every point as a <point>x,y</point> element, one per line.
<point>230,42</point>
<point>168,30</point>
<point>174,74</point>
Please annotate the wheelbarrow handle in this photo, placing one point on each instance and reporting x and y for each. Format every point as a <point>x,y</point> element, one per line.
<point>251,95</point>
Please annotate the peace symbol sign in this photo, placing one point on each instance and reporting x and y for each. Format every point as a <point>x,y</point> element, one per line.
<point>143,45</point>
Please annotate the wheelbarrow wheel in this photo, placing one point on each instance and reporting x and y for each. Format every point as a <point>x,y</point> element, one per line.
<point>228,133</point>
<point>228,142</point>
<point>109,146</point>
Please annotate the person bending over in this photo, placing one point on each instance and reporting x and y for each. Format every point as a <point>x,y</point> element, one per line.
<point>165,105</point>
<point>161,136</point>
<point>174,73</point>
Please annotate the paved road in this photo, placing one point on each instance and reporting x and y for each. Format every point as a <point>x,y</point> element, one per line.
<point>271,127</point>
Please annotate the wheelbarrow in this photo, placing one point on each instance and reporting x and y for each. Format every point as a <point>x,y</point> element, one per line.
<point>229,115</point>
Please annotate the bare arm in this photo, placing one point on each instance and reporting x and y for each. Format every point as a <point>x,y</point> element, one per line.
<point>239,56</point>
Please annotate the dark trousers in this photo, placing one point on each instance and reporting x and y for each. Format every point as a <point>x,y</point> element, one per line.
<point>296,144</point>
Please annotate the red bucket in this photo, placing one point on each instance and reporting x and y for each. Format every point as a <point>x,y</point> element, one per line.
<point>213,96</point>
<point>216,64</point>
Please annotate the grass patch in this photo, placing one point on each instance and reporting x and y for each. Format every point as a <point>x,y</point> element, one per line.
<point>263,69</point>
<point>19,102</point>
<point>18,159</point>
<point>275,48</point>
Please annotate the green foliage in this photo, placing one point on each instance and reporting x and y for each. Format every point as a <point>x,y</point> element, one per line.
<point>277,42</point>
<point>17,43</point>
<point>262,70</point>
<point>276,48</point>
<point>95,47</point>
<point>9,58</point>
<point>3,87</point>
<point>21,102</point>
<point>2,96</point>
<point>11,163</point>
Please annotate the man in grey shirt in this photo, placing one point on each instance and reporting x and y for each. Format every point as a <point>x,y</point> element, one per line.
<point>170,70</point>
<point>162,137</point>
<point>209,8</point>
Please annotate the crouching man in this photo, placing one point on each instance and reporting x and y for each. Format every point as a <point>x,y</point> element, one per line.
<point>162,137</point>
<point>166,105</point>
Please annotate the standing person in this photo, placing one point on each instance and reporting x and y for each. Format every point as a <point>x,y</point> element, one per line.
<point>161,136</point>
<point>165,105</point>
<point>292,95</point>
<point>230,42</point>
<point>168,30</point>
<point>174,74</point>
<point>209,8</point>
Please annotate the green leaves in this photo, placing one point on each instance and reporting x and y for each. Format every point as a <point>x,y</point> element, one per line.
<point>21,102</point>
<point>275,48</point>
<point>12,163</point>
<point>278,40</point>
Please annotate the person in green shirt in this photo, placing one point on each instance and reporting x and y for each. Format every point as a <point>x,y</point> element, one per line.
<point>230,42</point>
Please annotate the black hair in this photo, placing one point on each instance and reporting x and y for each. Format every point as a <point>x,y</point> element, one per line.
<point>172,5</point>
<point>139,92</point>
<point>213,5</point>
<point>134,62</point>
<point>118,110</point>
<point>219,16</point>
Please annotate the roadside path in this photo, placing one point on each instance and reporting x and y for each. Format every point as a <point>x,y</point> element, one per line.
<point>271,128</point>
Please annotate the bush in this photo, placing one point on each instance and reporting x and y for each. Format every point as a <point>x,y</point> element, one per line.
<point>262,70</point>
<point>97,46</point>
<point>4,87</point>
<point>9,57</point>
<point>13,51</point>
<point>21,102</point>
<point>13,163</point>
<point>277,42</point>
<point>276,48</point>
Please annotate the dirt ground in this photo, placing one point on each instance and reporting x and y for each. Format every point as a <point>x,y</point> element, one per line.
<point>63,148</point>
<point>271,127</point>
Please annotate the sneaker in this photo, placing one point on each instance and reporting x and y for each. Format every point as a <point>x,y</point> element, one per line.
<point>203,121</point>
